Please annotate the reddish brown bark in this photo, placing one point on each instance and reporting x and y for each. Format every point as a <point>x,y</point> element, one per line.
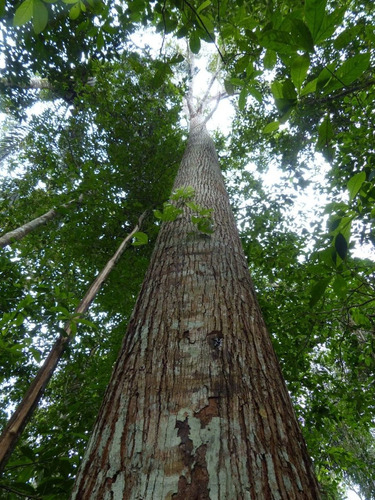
<point>29,403</point>
<point>197,407</point>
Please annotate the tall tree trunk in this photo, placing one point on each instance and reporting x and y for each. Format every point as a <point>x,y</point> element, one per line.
<point>24,411</point>
<point>22,231</point>
<point>197,407</point>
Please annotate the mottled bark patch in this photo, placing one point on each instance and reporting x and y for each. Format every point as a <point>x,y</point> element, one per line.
<point>207,413</point>
<point>197,489</point>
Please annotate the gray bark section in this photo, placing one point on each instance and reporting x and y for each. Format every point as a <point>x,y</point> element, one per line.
<point>22,231</point>
<point>197,407</point>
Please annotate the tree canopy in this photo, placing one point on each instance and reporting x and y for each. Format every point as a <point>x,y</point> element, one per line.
<point>104,147</point>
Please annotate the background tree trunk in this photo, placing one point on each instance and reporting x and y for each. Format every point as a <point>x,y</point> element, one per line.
<point>25,410</point>
<point>22,231</point>
<point>197,407</point>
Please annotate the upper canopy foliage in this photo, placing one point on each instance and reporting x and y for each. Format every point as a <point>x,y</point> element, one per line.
<point>109,135</point>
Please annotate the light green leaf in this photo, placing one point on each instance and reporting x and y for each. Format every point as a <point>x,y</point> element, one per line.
<point>203,6</point>
<point>299,68</point>
<point>269,59</point>
<point>40,16</point>
<point>314,15</point>
<point>309,87</point>
<point>24,13</point>
<point>140,239</point>
<point>70,1</point>
<point>355,184</point>
<point>75,11</point>
<point>277,89</point>
<point>271,127</point>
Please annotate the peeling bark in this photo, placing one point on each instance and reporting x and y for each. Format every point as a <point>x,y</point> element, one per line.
<point>197,407</point>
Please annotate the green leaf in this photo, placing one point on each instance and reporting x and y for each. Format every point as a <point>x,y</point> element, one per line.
<point>203,6</point>
<point>2,7</point>
<point>353,68</point>
<point>194,42</point>
<point>24,13</point>
<point>329,24</point>
<point>309,88</point>
<point>229,87</point>
<point>271,127</point>
<point>355,184</point>
<point>325,132</point>
<point>40,16</point>
<point>340,286</point>
<point>75,11</point>
<point>314,15</point>
<point>255,93</point>
<point>341,246</point>
<point>140,239</point>
<point>277,89</point>
<point>269,59</point>
<point>242,98</point>
<point>183,193</point>
<point>318,290</point>
<point>299,68</point>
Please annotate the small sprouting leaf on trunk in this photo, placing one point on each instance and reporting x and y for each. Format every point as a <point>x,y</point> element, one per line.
<point>341,246</point>
<point>140,239</point>
<point>355,184</point>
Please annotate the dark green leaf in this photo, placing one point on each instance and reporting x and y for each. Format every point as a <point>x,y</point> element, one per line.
<point>194,42</point>
<point>318,290</point>
<point>314,15</point>
<point>341,246</point>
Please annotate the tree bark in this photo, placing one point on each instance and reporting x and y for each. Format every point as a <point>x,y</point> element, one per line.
<point>22,231</point>
<point>29,403</point>
<point>197,407</point>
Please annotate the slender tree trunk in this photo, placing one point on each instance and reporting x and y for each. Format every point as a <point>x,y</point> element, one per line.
<point>22,231</point>
<point>29,403</point>
<point>197,407</point>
